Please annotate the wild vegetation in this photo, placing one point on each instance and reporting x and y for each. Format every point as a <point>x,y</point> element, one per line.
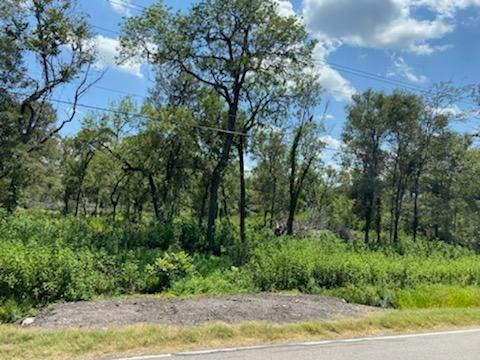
<point>218,182</point>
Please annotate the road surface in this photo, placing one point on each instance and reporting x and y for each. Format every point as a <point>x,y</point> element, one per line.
<point>454,345</point>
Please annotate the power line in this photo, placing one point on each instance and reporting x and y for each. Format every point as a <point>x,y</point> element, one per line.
<point>102,88</point>
<point>127,4</point>
<point>117,112</point>
<point>342,68</point>
<point>379,77</point>
<point>105,29</point>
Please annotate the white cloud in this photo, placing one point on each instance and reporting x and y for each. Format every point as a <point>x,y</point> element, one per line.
<point>383,24</point>
<point>446,8</point>
<point>107,49</point>
<point>452,111</point>
<point>285,8</point>
<point>331,80</point>
<point>400,67</point>
<point>121,6</point>
<point>331,142</point>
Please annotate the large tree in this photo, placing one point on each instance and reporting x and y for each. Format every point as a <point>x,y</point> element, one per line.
<point>229,46</point>
<point>364,136</point>
<point>305,145</point>
<point>53,35</point>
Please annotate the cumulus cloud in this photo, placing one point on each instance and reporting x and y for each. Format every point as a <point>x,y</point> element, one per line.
<point>107,49</point>
<point>401,68</point>
<point>446,8</point>
<point>331,142</point>
<point>451,111</point>
<point>285,8</point>
<point>330,79</point>
<point>121,6</point>
<point>383,24</point>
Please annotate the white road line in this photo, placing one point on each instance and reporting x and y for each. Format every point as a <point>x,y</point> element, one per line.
<point>304,344</point>
<point>151,357</point>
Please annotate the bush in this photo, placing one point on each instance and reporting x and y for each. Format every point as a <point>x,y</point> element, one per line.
<point>170,268</point>
<point>41,274</point>
<point>45,259</point>
<point>232,281</point>
<point>326,263</point>
<point>365,294</point>
<point>10,311</point>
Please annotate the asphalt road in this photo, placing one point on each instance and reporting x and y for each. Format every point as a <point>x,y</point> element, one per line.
<point>455,345</point>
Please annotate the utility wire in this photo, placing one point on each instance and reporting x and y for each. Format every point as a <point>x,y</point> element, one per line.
<point>349,68</point>
<point>127,4</point>
<point>341,68</point>
<point>117,112</point>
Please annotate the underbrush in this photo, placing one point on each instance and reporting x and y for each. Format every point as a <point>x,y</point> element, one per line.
<point>52,259</point>
<point>375,277</point>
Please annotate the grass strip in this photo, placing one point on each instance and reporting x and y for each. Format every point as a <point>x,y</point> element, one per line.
<point>18,343</point>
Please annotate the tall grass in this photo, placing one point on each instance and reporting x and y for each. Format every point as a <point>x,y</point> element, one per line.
<point>45,259</point>
<point>325,265</point>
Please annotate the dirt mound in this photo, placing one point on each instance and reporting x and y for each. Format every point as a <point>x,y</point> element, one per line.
<point>196,311</point>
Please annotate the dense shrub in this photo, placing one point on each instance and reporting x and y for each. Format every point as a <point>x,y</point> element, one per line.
<point>170,268</point>
<point>232,281</point>
<point>325,263</point>
<point>45,259</point>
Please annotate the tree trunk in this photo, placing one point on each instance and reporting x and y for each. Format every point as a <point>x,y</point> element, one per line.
<point>292,208</point>
<point>13,191</point>
<point>398,210</point>
<point>217,178</point>
<point>114,211</point>
<point>274,199</point>
<point>77,200</point>
<point>226,213</point>
<point>378,219</point>
<point>368,217</point>
<point>66,202</point>
<point>201,213</point>
<point>213,208</point>
<point>243,196</point>
<point>293,174</point>
<point>415,209</point>
<point>154,196</point>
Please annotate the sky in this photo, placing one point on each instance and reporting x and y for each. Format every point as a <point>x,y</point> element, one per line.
<point>379,44</point>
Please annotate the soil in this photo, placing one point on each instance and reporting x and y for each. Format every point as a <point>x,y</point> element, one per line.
<point>233,309</point>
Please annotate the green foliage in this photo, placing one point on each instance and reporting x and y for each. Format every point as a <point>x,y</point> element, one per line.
<point>231,281</point>
<point>44,273</point>
<point>170,268</point>
<point>441,296</point>
<point>10,311</point>
<point>324,263</point>
<point>44,259</point>
<point>365,294</point>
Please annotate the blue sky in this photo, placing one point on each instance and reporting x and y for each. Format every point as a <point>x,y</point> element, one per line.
<point>417,42</point>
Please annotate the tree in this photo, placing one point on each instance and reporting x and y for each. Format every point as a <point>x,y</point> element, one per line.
<point>305,145</point>
<point>77,155</point>
<point>438,111</point>
<point>364,136</point>
<point>57,38</point>
<point>403,111</point>
<point>270,152</point>
<point>226,46</point>
<point>447,182</point>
